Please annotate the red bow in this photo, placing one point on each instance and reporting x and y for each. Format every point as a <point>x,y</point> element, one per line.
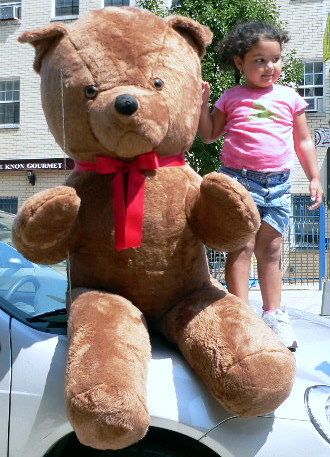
<point>128,214</point>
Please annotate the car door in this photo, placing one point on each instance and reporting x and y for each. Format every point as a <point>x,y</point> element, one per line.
<point>5,377</point>
<point>37,410</point>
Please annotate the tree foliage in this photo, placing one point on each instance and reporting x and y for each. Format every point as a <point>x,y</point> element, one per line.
<point>221,16</point>
<point>156,6</point>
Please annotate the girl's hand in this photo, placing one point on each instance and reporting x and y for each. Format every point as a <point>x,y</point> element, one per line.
<point>316,193</point>
<point>206,92</point>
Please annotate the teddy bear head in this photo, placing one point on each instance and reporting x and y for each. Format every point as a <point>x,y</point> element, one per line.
<point>121,82</point>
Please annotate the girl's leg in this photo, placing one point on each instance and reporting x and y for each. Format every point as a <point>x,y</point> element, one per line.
<point>268,253</point>
<point>237,271</point>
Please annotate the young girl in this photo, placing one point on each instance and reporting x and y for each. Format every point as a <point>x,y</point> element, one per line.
<point>263,123</point>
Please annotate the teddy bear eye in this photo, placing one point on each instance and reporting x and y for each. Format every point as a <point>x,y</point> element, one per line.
<point>158,83</point>
<point>91,91</point>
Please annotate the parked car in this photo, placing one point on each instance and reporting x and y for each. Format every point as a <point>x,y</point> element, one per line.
<point>185,420</point>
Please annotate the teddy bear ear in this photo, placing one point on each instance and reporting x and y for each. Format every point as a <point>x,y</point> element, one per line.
<point>197,34</point>
<point>42,39</point>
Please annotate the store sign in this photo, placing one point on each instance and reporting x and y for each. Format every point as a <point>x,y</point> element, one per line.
<point>322,137</point>
<point>36,164</point>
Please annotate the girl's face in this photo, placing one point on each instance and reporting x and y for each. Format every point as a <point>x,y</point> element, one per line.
<point>262,64</point>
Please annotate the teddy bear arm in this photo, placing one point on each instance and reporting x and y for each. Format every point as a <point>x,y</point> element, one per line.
<point>42,229</point>
<point>223,214</point>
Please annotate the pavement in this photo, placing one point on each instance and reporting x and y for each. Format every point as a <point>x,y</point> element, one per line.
<point>307,299</point>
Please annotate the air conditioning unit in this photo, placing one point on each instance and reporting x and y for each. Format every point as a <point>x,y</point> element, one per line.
<point>9,12</point>
<point>312,104</point>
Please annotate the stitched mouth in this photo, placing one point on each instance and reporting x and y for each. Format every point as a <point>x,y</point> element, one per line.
<point>132,142</point>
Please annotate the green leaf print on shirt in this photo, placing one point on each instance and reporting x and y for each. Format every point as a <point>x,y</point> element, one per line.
<point>261,112</point>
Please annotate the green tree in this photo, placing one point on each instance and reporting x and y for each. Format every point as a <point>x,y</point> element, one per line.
<point>221,16</point>
<point>156,6</point>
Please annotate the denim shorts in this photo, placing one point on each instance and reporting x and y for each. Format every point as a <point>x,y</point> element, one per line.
<point>271,192</point>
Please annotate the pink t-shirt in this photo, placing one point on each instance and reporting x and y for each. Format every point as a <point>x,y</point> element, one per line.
<point>259,127</point>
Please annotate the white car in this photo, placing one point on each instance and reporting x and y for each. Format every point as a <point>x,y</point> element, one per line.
<point>185,420</point>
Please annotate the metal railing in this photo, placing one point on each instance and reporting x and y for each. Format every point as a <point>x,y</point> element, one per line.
<point>305,252</point>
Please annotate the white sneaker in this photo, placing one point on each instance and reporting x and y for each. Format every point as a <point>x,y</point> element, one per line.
<point>278,320</point>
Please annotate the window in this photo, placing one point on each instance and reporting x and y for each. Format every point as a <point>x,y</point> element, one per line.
<point>116,2</point>
<point>305,223</point>
<point>312,88</point>
<point>66,8</point>
<point>9,204</point>
<point>10,10</point>
<point>9,103</point>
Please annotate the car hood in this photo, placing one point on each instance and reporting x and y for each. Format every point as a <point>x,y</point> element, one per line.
<point>176,398</point>
<point>175,394</point>
<point>178,395</point>
<point>313,361</point>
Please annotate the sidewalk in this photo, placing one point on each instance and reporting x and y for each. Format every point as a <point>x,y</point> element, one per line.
<point>309,300</point>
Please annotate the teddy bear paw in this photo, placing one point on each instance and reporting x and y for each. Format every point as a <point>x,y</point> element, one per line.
<point>46,219</point>
<point>108,418</point>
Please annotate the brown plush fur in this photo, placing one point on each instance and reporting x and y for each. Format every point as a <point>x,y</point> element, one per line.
<point>166,281</point>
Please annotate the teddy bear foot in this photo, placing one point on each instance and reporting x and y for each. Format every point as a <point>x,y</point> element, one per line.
<point>107,366</point>
<point>241,361</point>
<point>108,420</point>
<point>257,384</point>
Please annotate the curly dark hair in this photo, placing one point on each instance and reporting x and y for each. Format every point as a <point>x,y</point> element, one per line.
<point>241,39</point>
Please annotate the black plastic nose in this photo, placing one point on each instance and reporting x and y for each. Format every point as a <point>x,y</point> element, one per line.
<point>126,104</point>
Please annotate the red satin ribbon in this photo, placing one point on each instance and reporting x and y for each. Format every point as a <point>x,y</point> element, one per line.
<point>128,213</point>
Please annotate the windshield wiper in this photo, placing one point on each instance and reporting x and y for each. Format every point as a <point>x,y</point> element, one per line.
<point>57,316</point>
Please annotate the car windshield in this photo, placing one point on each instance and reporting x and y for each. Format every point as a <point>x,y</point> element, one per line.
<point>27,287</point>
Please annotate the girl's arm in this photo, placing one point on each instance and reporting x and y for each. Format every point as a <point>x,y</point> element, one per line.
<point>306,153</point>
<point>211,125</point>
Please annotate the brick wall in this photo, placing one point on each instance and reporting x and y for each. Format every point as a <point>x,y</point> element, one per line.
<point>305,20</point>
<point>16,184</point>
<point>32,138</point>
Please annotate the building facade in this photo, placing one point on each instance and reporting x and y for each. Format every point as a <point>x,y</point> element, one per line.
<point>306,21</point>
<point>31,161</point>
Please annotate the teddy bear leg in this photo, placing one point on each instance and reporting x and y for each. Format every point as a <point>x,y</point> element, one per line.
<point>109,350</point>
<point>238,357</point>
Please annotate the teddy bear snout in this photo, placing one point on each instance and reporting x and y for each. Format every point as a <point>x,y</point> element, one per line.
<point>126,104</point>
<point>129,120</point>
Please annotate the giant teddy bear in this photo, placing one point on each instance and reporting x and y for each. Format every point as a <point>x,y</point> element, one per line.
<point>121,91</point>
